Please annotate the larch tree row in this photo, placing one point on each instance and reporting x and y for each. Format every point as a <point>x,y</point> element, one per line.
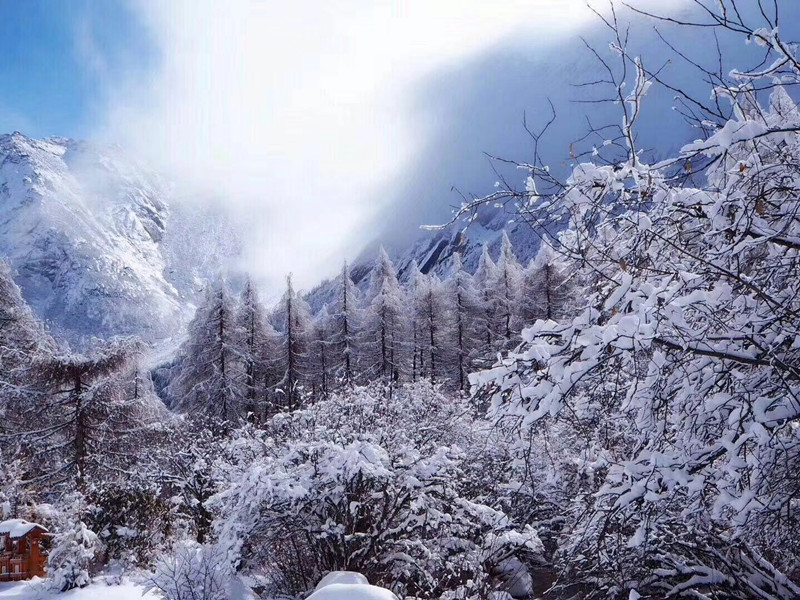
<point>241,359</point>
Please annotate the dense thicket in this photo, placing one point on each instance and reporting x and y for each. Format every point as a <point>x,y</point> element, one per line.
<point>375,484</point>
<point>679,379</point>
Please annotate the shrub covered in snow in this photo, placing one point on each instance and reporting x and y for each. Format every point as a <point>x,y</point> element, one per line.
<point>132,520</point>
<point>73,558</point>
<point>192,572</point>
<point>370,483</point>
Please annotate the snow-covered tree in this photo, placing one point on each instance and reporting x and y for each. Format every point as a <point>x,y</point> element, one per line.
<point>21,333</point>
<point>431,324</point>
<point>321,353</point>
<point>484,310</point>
<point>547,289</point>
<point>256,342</point>
<point>192,571</point>
<point>505,285</point>
<point>185,466</point>
<point>464,304</point>
<point>212,377</point>
<point>293,321</point>
<point>23,340</point>
<point>683,365</point>
<point>385,322</point>
<point>73,557</point>
<point>416,280</point>
<point>346,321</point>
<point>133,519</point>
<point>83,410</point>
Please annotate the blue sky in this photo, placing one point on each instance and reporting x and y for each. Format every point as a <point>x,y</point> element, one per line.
<point>59,58</point>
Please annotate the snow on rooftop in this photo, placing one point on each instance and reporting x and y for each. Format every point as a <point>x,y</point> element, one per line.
<point>17,528</point>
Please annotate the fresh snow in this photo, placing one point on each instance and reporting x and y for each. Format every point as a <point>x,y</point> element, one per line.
<point>356,590</point>
<point>346,577</point>
<point>94,244</point>
<point>36,590</point>
<point>16,528</point>
<point>346,591</point>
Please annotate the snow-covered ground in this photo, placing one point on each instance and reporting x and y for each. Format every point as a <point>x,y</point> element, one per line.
<point>36,590</point>
<point>338,585</point>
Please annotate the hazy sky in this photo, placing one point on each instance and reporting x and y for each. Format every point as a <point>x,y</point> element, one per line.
<point>299,113</point>
<point>320,124</point>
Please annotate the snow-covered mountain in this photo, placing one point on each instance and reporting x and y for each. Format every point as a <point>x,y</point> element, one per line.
<point>94,244</point>
<point>433,250</point>
<point>99,249</point>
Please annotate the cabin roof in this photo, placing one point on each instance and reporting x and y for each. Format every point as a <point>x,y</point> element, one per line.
<point>17,528</point>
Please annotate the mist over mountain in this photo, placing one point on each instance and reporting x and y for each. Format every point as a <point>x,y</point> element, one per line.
<point>477,112</point>
<point>478,107</point>
<point>87,226</point>
<point>94,243</point>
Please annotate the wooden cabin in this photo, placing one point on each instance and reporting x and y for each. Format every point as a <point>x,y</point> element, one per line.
<point>21,555</point>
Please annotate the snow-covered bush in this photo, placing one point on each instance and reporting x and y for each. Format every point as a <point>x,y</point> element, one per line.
<point>132,520</point>
<point>371,483</point>
<point>73,557</point>
<point>680,378</point>
<point>192,571</point>
<point>189,474</point>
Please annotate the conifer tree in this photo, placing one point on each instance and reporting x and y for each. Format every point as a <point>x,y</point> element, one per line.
<point>72,560</point>
<point>293,320</point>
<point>66,416</point>
<point>463,304</point>
<point>85,415</point>
<point>506,286</point>
<point>22,339</point>
<point>321,352</point>
<point>545,290</point>
<point>256,342</point>
<point>345,324</point>
<point>385,315</point>
<point>212,377</point>
<point>415,282</point>
<point>431,324</point>
<point>484,310</point>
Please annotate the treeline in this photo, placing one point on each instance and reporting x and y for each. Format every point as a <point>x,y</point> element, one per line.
<point>241,359</point>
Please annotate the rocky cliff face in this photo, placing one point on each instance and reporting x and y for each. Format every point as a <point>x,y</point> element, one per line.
<point>89,234</point>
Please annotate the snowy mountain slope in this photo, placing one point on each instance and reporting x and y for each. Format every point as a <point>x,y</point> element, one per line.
<point>433,251</point>
<point>496,90</point>
<point>89,235</point>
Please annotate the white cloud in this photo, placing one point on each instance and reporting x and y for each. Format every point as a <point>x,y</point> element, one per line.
<point>296,113</point>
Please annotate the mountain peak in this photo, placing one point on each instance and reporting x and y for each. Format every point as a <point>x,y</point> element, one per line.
<point>87,232</point>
